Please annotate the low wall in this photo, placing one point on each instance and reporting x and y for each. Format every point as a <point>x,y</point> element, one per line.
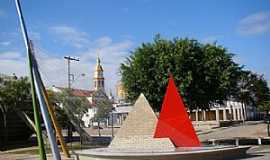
<point>205,124</point>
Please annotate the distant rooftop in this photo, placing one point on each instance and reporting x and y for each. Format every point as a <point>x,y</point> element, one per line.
<point>78,92</point>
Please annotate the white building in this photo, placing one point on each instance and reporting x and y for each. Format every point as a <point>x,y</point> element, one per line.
<point>92,96</point>
<point>219,115</point>
<point>119,113</point>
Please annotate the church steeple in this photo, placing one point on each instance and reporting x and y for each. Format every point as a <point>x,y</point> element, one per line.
<point>98,76</point>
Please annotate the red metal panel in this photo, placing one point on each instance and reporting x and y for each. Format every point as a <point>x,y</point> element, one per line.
<point>174,122</point>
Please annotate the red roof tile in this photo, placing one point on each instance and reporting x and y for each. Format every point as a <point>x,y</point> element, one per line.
<point>79,92</point>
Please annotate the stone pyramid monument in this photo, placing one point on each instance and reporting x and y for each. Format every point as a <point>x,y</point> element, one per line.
<point>137,131</point>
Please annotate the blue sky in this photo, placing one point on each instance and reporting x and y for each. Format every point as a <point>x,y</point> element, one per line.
<point>114,28</point>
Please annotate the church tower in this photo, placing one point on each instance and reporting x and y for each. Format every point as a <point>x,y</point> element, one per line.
<point>98,77</point>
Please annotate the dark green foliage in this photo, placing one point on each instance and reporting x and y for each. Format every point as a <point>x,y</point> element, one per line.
<point>202,73</point>
<point>15,96</point>
<point>55,100</point>
<point>252,89</point>
<point>77,105</point>
<point>104,107</point>
<point>261,92</point>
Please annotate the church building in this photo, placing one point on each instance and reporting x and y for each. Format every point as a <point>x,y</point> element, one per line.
<point>98,77</point>
<point>93,95</point>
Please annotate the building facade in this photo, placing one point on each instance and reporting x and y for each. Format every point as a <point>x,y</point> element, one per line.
<point>221,115</point>
<point>121,93</point>
<point>95,94</point>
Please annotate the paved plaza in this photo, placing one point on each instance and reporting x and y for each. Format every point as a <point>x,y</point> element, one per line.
<point>250,129</point>
<point>255,153</point>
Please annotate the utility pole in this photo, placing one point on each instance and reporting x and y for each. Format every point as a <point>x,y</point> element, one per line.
<point>68,58</point>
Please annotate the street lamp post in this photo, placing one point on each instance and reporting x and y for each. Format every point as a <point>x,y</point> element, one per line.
<point>245,92</point>
<point>112,124</point>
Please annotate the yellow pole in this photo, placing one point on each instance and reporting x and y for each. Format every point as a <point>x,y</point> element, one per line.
<point>52,115</point>
<point>56,125</point>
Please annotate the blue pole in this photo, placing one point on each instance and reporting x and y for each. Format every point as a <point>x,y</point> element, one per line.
<point>45,116</point>
<point>42,153</point>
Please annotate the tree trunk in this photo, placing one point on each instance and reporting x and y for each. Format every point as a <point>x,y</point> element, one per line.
<point>81,142</point>
<point>99,129</point>
<point>268,123</point>
<point>5,131</point>
<point>243,114</point>
<point>268,128</point>
<point>112,127</point>
<point>70,133</point>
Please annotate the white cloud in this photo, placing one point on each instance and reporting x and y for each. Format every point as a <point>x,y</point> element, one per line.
<point>53,67</point>
<point>111,56</point>
<point>71,36</point>
<point>5,43</point>
<point>255,24</point>
<point>104,41</point>
<point>212,39</point>
<point>10,55</point>
<point>35,36</point>
<point>12,62</point>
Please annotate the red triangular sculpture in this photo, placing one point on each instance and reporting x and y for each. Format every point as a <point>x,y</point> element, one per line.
<point>174,122</point>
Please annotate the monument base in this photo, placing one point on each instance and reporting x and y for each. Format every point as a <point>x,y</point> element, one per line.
<point>185,153</point>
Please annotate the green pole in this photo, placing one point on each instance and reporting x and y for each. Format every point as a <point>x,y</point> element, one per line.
<point>42,153</point>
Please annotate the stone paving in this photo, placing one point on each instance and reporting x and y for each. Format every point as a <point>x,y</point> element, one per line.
<point>256,153</point>
<point>12,156</point>
<point>259,153</point>
<point>250,129</point>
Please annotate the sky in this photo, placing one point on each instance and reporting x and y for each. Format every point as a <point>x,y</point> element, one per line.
<point>114,28</point>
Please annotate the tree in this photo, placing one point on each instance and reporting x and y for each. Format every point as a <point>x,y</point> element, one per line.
<point>60,114</point>
<point>104,107</point>
<point>262,98</point>
<point>73,107</point>
<point>265,107</point>
<point>14,95</point>
<point>203,73</point>
<point>261,91</point>
<point>253,90</point>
